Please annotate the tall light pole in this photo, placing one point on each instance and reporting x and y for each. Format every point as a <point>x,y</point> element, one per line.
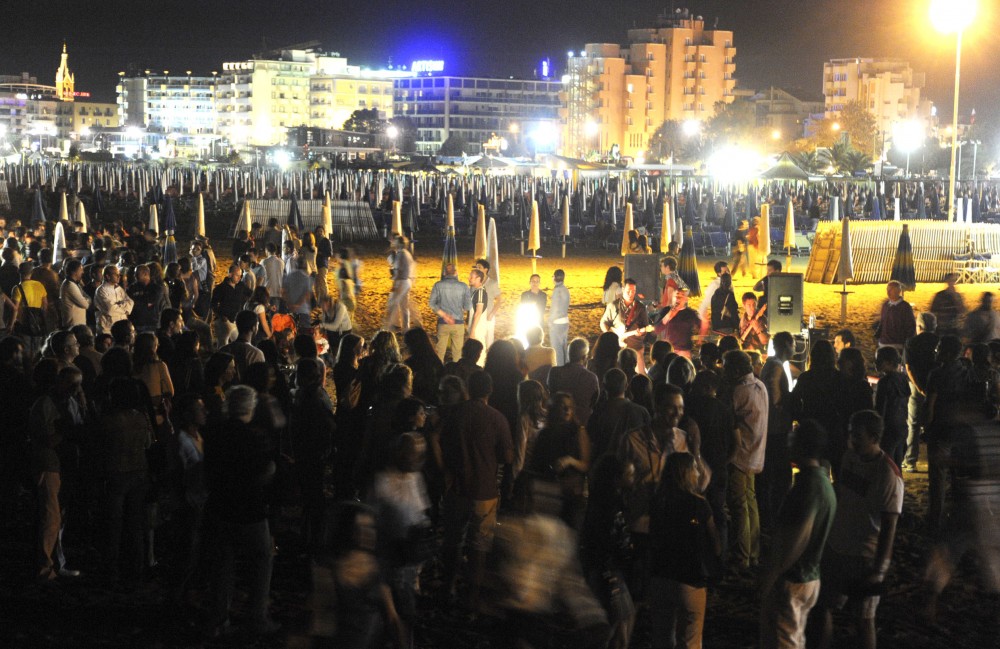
<point>953,16</point>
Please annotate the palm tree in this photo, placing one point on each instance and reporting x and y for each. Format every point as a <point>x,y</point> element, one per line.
<point>815,161</point>
<point>857,161</point>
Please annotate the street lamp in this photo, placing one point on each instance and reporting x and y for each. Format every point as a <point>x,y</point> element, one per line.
<point>953,16</point>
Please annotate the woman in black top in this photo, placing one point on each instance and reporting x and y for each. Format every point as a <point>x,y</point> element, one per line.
<point>561,453</point>
<point>684,547</point>
<point>425,363</point>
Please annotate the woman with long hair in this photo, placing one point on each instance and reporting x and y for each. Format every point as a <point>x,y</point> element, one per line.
<point>561,453</point>
<point>503,367</point>
<point>604,355</point>
<point>219,373</point>
<point>383,351</point>
<point>612,285</point>
<point>260,304</point>
<point>531,406</point>
<point>425,363</point>
<point>684,546</point>
<point>186,369</point>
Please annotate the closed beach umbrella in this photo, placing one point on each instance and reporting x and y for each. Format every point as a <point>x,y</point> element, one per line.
<point>479,249</point>
<point>327,215</point>
<point>450,255</point>
<point>902,263</point>
<point>493,253</point>
<point>665,227</point>
<point>629,226</point>
<point>58,244</point>
<point>170,226</point>
<point>534,229</point>
<point>63,210</point>
<point>37,208</point>
<point>449,221</point>
<point>397,218</point>
<point>789,241</point>
<point>200,226</point>
<point>687,265</point>
<point>154,218</point>
<point>294,216</point>
<point>81,215</point>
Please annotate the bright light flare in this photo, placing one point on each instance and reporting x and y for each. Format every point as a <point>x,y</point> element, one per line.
<point>733,164</point>
<point>691,127</point>
<point>908,135</point>
<point>591,128</point>
<point>282,158</point>
<point>953,16</point>
<point>392,132</point>
<point>525,318</point>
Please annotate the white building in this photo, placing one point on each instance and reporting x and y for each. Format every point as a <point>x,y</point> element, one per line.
<point>889,88</point>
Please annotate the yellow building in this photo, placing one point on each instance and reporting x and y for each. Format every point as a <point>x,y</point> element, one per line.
<point>78,119</point>
<point>338,89</point>
<point>258,99</point>
<point>621,94</point>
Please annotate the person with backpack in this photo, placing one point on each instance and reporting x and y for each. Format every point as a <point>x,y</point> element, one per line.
<point>31,304</point>
<point>725,310</point>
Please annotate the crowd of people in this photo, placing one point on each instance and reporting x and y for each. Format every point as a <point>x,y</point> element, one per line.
<point>154,412</point>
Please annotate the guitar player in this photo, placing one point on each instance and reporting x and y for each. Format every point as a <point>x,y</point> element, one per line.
<point>628,318</point>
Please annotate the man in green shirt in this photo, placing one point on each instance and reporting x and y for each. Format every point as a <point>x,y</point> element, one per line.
<point>789,582</point>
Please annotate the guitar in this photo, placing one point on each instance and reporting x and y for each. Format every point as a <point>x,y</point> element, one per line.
<point>749,328</point>
<point>625,335</point>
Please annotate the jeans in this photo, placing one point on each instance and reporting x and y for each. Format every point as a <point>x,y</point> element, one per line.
<point>126,495</point>
<point>253,542</point>
<point>716,496</point>
<point>915,422</point>
<point>559,339</point>
<point>775,480</point>
<point>678,613</point>
<point>745,518</point>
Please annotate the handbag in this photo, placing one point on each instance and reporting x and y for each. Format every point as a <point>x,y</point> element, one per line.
<point>30,321</point>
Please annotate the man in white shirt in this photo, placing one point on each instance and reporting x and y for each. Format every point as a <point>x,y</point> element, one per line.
<point>274,269</point>
<point>72,300</point>
<point>403,275</point>
<point>111,301</point>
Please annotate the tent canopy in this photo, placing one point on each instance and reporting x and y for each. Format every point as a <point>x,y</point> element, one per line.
<point>785,169</point>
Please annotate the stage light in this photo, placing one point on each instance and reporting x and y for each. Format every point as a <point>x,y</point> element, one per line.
<point>525,318</point>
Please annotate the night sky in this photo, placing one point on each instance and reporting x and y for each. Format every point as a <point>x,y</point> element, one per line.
<point>779,42</point>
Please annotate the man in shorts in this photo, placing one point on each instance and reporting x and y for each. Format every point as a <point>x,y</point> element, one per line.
<point>859,549</point>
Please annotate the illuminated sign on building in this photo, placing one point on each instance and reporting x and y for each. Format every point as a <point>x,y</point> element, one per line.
<point>545,68</point>
<point>242,65</point>
<point>427,66</point>
<point>81,94</point>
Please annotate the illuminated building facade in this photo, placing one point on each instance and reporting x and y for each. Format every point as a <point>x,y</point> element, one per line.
<point>888,88</point>
<point>475,108</point>
<point>619,95</point>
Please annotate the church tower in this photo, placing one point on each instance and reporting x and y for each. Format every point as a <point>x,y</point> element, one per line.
<point>64,79</point>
